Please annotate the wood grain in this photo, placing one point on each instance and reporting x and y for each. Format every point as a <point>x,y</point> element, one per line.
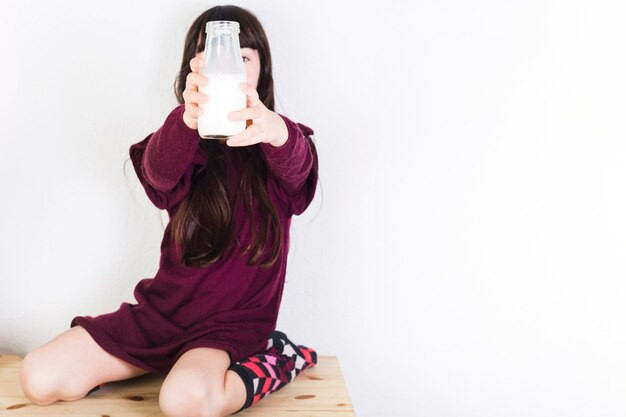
<point>317,392</point>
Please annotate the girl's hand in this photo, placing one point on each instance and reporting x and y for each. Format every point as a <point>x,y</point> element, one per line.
<point>191,94</point>
<point>267,126</point>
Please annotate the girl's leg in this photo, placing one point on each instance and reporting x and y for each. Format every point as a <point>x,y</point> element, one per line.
<point>271,370</point>
<point>200,384</point>
<point>69,366</point>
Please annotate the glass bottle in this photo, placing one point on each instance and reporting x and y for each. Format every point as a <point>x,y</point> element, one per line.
<point>223,66</point>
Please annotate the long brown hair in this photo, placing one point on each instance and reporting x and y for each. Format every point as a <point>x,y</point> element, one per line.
<point>203,225</point>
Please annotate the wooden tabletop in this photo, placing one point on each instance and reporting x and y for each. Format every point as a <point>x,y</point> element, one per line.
<point>316,392</point>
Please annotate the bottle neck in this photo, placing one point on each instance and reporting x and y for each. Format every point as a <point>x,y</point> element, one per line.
<point>223,52</point>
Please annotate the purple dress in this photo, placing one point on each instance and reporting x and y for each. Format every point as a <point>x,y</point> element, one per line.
<point>228,305</point>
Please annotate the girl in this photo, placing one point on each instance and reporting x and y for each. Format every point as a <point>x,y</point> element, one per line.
<point>207,319</point>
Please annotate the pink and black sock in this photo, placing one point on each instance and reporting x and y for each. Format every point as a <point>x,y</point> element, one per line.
<point>269,371</point>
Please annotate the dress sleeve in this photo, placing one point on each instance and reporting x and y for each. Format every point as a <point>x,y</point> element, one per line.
<point>165,160</point>
<point>293,166</point>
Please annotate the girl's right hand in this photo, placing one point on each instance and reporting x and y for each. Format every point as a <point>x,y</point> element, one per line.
<point>192,96</point>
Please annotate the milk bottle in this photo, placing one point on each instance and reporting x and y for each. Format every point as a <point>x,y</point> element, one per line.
<point>223,66</point>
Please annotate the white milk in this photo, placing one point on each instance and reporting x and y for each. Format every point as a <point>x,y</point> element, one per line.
<point>225,95</point>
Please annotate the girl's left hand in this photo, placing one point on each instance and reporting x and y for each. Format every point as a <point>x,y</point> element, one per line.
<point>267,126</point>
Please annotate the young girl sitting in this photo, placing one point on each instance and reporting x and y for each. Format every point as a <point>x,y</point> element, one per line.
<point>207,319</point>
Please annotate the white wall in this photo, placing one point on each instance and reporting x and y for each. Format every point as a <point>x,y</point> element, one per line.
<point>467,256</point>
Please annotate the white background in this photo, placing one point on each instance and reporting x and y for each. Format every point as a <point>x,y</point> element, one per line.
<point>464,255</point>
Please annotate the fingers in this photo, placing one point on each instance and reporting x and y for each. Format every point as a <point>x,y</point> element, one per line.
<point>192,102</point>
<point>247,142</point>
<point>195,97</point>
<point>196,63</point>
<point>192,96</point>
<point>254,106</point>
<point>194,80</point>
<point>246,137</point>
<point>251,94</point>
<point>249,113</point>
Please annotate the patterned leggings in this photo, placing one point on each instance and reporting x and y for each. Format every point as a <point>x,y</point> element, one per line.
<point>271,370</point>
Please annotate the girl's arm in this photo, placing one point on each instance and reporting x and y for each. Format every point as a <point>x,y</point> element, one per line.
<point>294,165</point>
<point>165,160</point>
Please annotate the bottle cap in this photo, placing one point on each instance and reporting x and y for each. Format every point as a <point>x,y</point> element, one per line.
<point>222,26</point>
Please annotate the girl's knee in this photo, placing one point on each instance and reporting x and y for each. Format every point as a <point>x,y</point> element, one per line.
<point>180,400</point>
<point>36,383</point>
<point>44,386</point>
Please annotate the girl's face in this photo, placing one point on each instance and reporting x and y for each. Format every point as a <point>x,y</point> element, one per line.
<point>251,61</point>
